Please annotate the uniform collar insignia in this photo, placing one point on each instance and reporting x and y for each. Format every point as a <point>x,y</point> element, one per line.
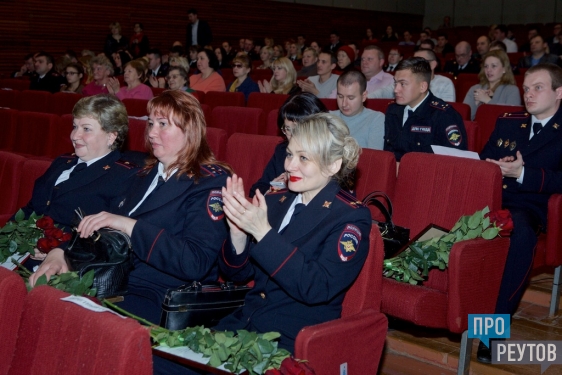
<point>523,126</point>
<point>512,145</point>
<point>283,198</point>
<point>500,142</point>
<point>556,126</point>
<point>106,167</point>
<point>326,204</point>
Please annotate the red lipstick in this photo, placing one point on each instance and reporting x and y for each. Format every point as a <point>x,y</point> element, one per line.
<point>294,179</point>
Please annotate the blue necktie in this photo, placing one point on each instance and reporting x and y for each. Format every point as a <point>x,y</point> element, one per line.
<point>77,169</point>
<point>537,127</point>
<point>298,209</point>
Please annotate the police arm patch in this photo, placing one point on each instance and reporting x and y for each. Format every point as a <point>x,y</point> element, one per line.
<point>454,135</point>
<point>214,205</point>
<point>348,243</point>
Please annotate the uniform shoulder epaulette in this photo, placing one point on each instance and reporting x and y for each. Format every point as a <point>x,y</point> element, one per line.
<point>439,105</point>
<point>515,115</point>
<point>277,191</point>
<point>126,164</point>
<point>68,156</point>
<point>213,170</point>
<point>348,199</point>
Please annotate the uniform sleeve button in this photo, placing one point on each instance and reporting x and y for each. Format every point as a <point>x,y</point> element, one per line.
<point>418,143</point>
<point>504,186</point>
<point>262,295</point>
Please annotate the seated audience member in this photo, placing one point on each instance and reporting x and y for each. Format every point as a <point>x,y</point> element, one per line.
<point>283,80</point>
<point>139,44</point>
<point>532,32</point>
<point>532,172</point>
<point>365,125</point>
<point>379,83</point>
<point>500,35</point>
<point>156,69</point>
<point>278,51</point>
<point>389,35</point>
<point>249,49</point>
<point>555,41</point>
<point>295,109</point>
<point>394,57</point>
<point>418,119</point>
<point>443,47</point>
<point>220,53</point>
<point>60,63</point>
<point>335,43</point>
<point>315,46</point>
<point>323,84</point>
<point>463,62</point>
<point>345,58</point>
<point>27,69</point>
<point>369,38</point>
<point>178,79</point>
<point>407,39</point>
<point>241,67</point>
<point>179,61</point>
<point>446,23</point>
<point>482,47</point>
<point>356,57</point>
<point>268,41</point>
<point>230,53</point>
<point>296,256</point>
<point>427,44</point>
<point>538,54</point>
<point>120,59</point>
<point>101,71</point>
<point>423,37</point>
<point>301,43</point>
<point>134,88</point>
<point>294,53</point>
<point>73,74</point>
<point>497,85</point>
<point>266,56</point>
<point>440,86</point>
<point>208,79</point>
<point>309,60</point>
<point>165,211</point>
<point>45,78</point>
<point>193,50</point>
<point>115,41</point>
<point>83,179</point>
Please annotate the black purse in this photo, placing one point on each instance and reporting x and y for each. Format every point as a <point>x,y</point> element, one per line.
<point>395,238</point>
<point>108,252</point>
<point>199,304</point>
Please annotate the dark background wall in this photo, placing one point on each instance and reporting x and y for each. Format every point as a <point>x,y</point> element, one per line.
<point>56,25</point>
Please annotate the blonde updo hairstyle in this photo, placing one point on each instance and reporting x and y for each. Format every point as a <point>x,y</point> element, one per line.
<point>326,137</point>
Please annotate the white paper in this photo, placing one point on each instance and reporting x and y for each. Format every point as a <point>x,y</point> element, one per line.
<point>89,305</point>
<point>185,352</point>
<point>11,266</point>
<point>449,151</point>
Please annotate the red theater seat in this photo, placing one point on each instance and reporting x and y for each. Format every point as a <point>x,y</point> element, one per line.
<point>267,102</point>
<point>136,107</point>
<point>378,104</point>
<point>9,98</point>
<point>225,99</point>
<point>34,133</point>
<point>135,138</point>
<point>272,128</point>
<point>61,142</point>
<point>63,103</point>
<point>462,108</point>
<point>331,104</point>
<point>463,82</point>
<point>15,83</point>
<point>32,170</point>
<point>34,101</point>
<point>486,116</point>
<point>8,123</point>
<point>12,297</point>
<point>217,139</point>
<point>237,119</point>
<point>11,166</point>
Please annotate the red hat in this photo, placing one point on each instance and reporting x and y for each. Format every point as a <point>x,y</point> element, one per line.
<point>349,52</point>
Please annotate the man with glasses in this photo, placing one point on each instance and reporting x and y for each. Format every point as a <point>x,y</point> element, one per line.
<point>394,57</point>
<point>463,62</point>
<point>440,86</point>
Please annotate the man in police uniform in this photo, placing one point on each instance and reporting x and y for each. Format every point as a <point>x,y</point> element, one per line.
<point>418,119</point>
<point>526,146</point>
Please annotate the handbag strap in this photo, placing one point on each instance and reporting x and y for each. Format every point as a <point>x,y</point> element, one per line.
<point>372,198</point>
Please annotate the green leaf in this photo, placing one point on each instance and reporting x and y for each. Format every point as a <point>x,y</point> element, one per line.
<point>20,215</point>
<point>486,223</point>
<point>271,336</point>
<point>215,360</point>
<point>490,233</point>
<point>13,247</point>
<point>42,280</point>
<point>473,233</point>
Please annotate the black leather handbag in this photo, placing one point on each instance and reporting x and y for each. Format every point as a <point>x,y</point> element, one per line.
<point>395,238</point>
<point>108,252</point>
<point>199,304</point>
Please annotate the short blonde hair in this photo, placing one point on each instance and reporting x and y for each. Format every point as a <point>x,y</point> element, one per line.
<point>179,61</point>
<point>103,61</point>
<point>326,137</point>
<point>285,86</point>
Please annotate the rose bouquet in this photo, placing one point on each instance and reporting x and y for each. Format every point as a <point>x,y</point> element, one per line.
<point>24,235</point>
<point>413,264</point>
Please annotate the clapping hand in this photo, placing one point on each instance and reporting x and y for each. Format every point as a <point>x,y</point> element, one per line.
<point>113,85</point>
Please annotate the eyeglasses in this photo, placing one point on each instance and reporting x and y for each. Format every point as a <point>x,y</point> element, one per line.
<point>287,130</point>
<point>70,73</point>
<point>237,65</point>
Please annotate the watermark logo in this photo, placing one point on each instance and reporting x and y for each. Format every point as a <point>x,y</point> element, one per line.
<point>544,353</point>
<point>489,326</point>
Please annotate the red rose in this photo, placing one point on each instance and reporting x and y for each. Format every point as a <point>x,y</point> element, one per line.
<point>53,233</point>
<point>45,223</point>
<point>502,220</point>
<point>273,372</point>
<point>43,245</point>
<point>66,237</point>
<point>291,366</point>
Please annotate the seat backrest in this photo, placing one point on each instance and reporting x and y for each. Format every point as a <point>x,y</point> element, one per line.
<point>378,104</point>
<point>135,139</point>
<point>34,133</point>
<point>63,338</point>
<point>463,82</point>
<point>32,170</point>
<point>331,104</point>
<point>63,103</point>
<point>34,101</point>
<point>228,76</point>
<point>136,107</point>
<point>12,297</point>
<point>61,142</point>
<point>225,99</point>
<point>15,83</point>
<point>9,98</point>
<point>11,166</point>
<point>365,293</point>
<point>438,189</point>
<point>473,135</point>
<point>157,90</point>
<point>261,74</point>
<point>8,123</point>
<point>217,139</point>
<point>237,119</point>
<point>271,127</point>
<point>207,112</point>
<point>486,116</point>
<point>267,102</point>
<point>199,95</point>
<point>248,154</point>
<point>462,108</point>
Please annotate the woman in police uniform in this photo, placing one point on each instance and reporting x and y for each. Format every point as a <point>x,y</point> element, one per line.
<point>171,213</point>
<point>303,246</point>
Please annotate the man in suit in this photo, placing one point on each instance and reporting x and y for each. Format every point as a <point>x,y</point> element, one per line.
<point>198,31</point>
<point>394,57</point>
<point>538,54</point>
<point>418,119</point>
<point>526,147</point>
<point>335,43</point>
<point>27,69</point>
<point>463,62</point>
<point>46,79</point>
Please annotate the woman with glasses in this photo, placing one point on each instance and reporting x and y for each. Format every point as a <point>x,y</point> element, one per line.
<point>283,80</point>
<point>241,67</point>
<point>294,109</point>
<point>73,74</point>
<point>178,79</point>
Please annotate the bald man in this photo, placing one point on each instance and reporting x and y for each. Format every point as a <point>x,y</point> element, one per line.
<point>463,62</point>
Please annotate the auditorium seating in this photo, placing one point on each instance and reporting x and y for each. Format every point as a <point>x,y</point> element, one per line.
<point>12,297</point>
<point>463,82</point>
<point>473,135</point>
<point>57,337</point>
<point>272,128</point>
<point>60,141</point>
<point>217,139</point>
<point>331,104</point>
<point>238,120</point>
<point>9,98</point>
<point>62,103</point>
<point>225,99</point>
<point>358,337</point>
<point>378,104</point>
<point>8,123</point>
<point>34,101</point>
<point>136,107</point>
<point>462,108</point>
<point>135,138</point>
<point>34,133</point>
<point>486,116</point>
<point>14,83</point>
<point>267,102</point>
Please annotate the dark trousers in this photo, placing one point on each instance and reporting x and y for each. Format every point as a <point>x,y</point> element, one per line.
<point>519,261</point>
